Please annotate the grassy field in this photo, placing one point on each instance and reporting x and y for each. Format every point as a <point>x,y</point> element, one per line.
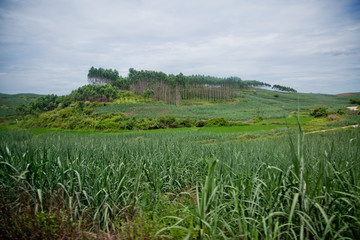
<point>265,103</point>
<point>183,184</point>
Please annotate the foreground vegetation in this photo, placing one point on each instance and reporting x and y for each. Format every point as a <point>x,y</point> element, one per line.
<point>181,184</point>
<point>229,162</point>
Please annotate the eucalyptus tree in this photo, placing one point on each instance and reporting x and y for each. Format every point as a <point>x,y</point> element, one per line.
<point>283,88</point>
<point>102,76</point>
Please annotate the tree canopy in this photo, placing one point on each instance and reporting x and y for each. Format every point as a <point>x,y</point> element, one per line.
<point>172,88</point>
<point>102,76</point>
<point>255,83</point>
<point>283,88</point>
<point>100,93</point>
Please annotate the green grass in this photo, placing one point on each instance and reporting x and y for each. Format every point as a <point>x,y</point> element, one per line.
<point>260,102</point>
<point>196,184</point>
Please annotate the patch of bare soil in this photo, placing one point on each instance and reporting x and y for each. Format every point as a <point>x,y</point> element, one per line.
<point>353,108</point>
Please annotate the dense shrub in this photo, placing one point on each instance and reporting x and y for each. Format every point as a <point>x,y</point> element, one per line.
<point>355,101</point>
<point>187,122</point>
<point>107,124</point>
<point>92,93</point>
<point>257,119</point>
<point>319,112</point>
<point>200,123</point>
<point>126,94</point>
<point>340,112</point>
<point>216,122</point>
<point>130,97</point>
<point>148,93</point>
<point>143,124</point>
<point>168,121</point>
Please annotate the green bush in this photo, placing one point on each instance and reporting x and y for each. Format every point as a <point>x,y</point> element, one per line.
<point>143,124</point>
<point>72,123</point>
<point>319,112</point>
<point>87,123</point>
<point>355,101</point>
<point>66,112</point>
<point>200,123</point>
<point>129,124</point>
<point>257,119</point>
<point>107,124</point>
<point>148,93</point>
<point>340,111</point>
<point>216,122</point>
<point>187,122</point>
<point>168,121</point>
<point>124,97</point>
<point>100,93</point>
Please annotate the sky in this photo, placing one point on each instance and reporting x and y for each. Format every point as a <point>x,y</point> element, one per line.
<point>48,46</point>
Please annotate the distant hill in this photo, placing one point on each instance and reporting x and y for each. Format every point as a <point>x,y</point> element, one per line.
<point>354,94</point>
<point>9,102</point>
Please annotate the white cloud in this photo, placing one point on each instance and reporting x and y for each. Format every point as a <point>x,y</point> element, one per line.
<point>48,46</point>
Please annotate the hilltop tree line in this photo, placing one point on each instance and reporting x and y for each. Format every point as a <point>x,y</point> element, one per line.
<point>174,88</point>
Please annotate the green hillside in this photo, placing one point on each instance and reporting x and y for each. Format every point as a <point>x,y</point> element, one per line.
<point>146,100</point>
<point>124,110</point>
<point>9,102</point>
<point>350,95</point>
<point>265,103</point>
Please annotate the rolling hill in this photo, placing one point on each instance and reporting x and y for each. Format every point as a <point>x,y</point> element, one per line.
<point>9,103</point>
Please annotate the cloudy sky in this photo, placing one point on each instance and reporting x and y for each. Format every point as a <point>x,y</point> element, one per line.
<point>48,46</point>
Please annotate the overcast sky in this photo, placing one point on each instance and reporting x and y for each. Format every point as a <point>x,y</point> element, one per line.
<point>48,46</point>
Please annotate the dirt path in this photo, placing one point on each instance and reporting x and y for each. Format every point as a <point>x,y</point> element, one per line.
<point>333,129</point>
<point>353,108</point>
